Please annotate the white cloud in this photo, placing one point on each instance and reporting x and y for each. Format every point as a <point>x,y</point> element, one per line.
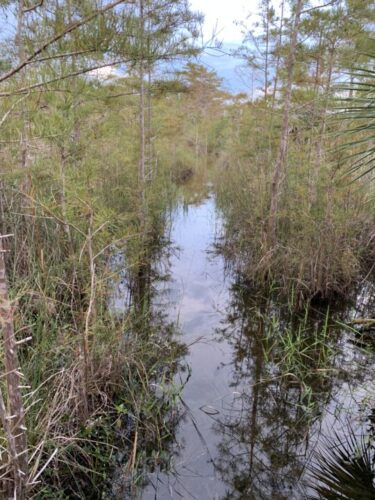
<point>104,73</point>
<point>220,16</point>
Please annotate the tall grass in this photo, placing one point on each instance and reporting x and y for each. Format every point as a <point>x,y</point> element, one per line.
<point>324,241</point>
<point>89,373</point>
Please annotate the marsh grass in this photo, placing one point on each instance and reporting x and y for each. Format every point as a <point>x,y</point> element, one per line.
<point>323,246</point>
<point>300,349</point>
<point>87,413</point>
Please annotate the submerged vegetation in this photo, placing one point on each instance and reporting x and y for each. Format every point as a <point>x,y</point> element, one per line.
<point>99,133</point>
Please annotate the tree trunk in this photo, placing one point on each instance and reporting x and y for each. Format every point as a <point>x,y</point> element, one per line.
<point>267,51</point>
<point>74,88</point>
<point>283,147</point>
<point>149,173</point>
<point>323,123</point>
<point>15,416</point>
<point>63,156</point>
<point>317,84</point>
<point>142,158</point>
<point>149,154</point>
<point>24,149</point>
<point>278,54</point>
<point>322,130</point>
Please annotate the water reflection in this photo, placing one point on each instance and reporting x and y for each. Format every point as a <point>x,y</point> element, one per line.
<point>263,385</point>
<point>147,416</point>
<point>265,433</point>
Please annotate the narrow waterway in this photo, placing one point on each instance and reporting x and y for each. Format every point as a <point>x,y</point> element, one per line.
<point>245,431</point>
<point>196,296</point>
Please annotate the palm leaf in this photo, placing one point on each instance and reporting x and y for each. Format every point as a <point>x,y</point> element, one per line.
<point>344,470</point>
<point>359,110</point>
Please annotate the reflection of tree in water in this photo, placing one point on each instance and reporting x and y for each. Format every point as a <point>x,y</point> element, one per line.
<point>148,419</point>
<point>264,431</point>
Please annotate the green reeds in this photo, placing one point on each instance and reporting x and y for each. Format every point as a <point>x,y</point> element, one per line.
<point>300,348</point>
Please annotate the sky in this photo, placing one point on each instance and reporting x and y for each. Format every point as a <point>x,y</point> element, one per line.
<point>222,14</point>
<point>220,17</point>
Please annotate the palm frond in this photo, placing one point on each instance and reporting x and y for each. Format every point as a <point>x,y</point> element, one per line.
<point>359,109</point>
<point>344,469</point>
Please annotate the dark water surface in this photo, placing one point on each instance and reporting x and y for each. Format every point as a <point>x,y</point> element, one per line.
<point>247,432</point>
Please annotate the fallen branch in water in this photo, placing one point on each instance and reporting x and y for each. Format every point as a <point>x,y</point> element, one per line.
<point>362,321</point>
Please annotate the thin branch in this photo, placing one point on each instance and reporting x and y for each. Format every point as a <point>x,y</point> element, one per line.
<point>59,36</point>
<point>33,7</point>
<point>10,110</point>
<point>60,56</point>
<point>25,90</point>
<point>319,6</point>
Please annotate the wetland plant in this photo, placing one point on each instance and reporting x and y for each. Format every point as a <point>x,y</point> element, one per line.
<point>344,469</point>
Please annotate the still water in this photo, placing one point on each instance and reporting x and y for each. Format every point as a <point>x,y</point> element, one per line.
<point>247,431</point>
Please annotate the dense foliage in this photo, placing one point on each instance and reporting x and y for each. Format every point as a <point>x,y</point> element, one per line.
<point>97,134</point>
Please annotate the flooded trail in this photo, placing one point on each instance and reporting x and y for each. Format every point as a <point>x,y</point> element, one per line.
<point>246,432</point>
<point>196,297</point>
